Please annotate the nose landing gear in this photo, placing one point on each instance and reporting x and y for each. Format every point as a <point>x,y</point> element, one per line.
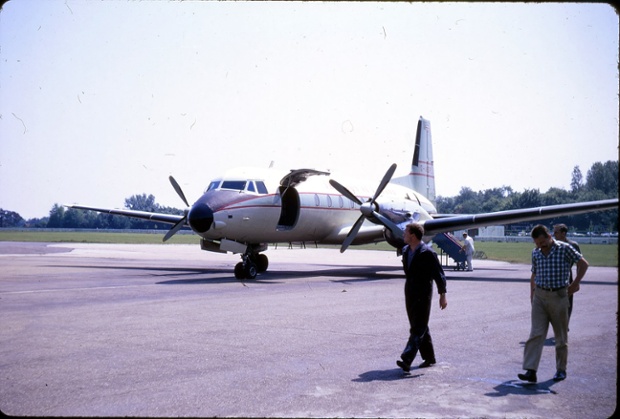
<point>251,265</point>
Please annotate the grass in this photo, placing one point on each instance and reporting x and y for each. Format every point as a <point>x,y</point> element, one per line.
<point>95,237</point>
<point>595,254</point>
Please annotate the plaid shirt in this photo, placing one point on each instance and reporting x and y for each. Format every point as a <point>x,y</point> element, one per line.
<point>553,270</point>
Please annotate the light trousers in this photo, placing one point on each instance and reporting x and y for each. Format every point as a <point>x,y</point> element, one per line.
<point>548,307</point>
<point>470,256</point>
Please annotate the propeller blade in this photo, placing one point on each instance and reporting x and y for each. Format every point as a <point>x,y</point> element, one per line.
<point>386,179</point>
<point>368,209</point>
<point>175,228</point>
<point>352,233</point>
<point>344,191</point>
<point>389,224</point>
<point>177,188</point>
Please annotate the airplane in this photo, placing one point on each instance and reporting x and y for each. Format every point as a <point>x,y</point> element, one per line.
<point>246,208</point>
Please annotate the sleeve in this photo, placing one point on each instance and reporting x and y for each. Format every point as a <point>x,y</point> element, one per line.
<point>437,273</point>
<point>405,257</point>
<point>572,254</point>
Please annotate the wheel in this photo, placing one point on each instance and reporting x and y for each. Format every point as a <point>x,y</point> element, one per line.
<point>262,262</point>
<point>250,270</point>
<point>239,271</point>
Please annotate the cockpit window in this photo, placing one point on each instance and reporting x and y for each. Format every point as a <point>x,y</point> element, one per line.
<point>253,186</point>
<point>213,185</point>
<point>262,189</point>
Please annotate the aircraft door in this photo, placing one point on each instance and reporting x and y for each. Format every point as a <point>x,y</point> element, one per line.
<point>290,208</point>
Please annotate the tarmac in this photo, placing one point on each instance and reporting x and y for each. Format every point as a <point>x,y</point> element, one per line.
<point>167,331</point>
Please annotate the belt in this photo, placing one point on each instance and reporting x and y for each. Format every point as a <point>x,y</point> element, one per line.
<point>550,289</point>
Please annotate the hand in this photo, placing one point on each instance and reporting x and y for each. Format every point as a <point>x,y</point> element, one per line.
<point>443,302</point>
<point>573,288</point>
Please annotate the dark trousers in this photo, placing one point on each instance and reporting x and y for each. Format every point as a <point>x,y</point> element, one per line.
<point>418,311</point>
<point>570,298</point>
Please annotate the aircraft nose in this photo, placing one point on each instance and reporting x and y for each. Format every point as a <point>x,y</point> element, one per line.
<point>200,217</point>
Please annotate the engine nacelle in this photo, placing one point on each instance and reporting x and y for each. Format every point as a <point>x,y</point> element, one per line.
<point>393,241</point>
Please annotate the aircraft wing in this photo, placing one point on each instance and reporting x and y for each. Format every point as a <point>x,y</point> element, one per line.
<point>461,222</point>
<point>151,216</point>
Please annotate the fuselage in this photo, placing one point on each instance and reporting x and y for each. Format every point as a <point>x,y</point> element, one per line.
<point>252,206</point>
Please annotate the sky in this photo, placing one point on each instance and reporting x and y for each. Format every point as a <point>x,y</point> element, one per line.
<point>103,100</point>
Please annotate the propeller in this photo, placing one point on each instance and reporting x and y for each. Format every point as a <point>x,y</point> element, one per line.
<point>179,225</point>
<point>178,189</point>
<point>368,208</point>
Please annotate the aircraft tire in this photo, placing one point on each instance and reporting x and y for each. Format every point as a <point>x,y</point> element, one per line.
<point>251,270</point>
<point>239,271</point>
<point>262,262</point>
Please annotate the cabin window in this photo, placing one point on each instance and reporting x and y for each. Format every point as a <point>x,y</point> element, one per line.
<point>340,202</point>
<point>329,201</point>
<point>317,200</point>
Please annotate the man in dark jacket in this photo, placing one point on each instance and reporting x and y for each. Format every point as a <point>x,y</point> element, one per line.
<point>422,267</point>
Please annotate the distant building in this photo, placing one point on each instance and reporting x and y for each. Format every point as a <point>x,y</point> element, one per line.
<point>490,231</point>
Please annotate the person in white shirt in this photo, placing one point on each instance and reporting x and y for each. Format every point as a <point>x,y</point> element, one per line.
<point>468,248</point>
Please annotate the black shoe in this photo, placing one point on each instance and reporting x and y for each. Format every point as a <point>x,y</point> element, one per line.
<point>559,376</point>
<point>406,367</point>
<point>530,376</point>
<point>426,364</point>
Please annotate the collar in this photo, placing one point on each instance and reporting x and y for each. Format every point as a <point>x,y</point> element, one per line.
<point>552,248</point>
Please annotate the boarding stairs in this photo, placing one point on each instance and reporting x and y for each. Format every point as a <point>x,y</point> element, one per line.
<point>451,249</point>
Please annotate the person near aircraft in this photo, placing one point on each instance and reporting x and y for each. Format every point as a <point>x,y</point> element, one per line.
<point>559,232</point>
<point>549,291</point>
<point>422,267</point>
<point>468,248</point>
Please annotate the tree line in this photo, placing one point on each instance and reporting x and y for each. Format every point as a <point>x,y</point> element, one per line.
<point>601,182</point>
<point>61,217</point>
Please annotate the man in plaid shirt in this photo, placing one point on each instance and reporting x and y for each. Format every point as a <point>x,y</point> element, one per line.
<point>550,289</point>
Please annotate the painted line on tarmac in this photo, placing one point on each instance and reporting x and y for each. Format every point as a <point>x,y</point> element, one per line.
<point>71,289</point>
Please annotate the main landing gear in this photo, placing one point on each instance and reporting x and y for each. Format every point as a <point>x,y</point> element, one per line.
<point>251,265</point>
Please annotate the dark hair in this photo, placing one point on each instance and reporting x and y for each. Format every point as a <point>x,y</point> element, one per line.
<point>416,229</point>
<point>561,227</point>
<point>540,230</point>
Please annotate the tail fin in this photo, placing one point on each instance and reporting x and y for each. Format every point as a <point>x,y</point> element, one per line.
<point>421,178</point>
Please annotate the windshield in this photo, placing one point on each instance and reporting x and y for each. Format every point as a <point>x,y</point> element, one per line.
<point>237,185</point>
<point>257,186</point>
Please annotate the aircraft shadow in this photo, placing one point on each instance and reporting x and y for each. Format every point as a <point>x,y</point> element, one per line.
<point>348,273</point>
<point>226,275</point>
<point>474,278</point>
<point>336,273</point>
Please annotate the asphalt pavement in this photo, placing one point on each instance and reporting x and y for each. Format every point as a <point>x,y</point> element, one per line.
<point>166,330</point>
